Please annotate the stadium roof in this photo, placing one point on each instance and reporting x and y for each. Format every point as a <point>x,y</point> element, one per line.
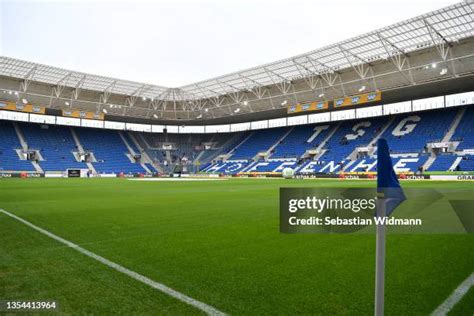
<point>453,23</point>
<point>438,29</point>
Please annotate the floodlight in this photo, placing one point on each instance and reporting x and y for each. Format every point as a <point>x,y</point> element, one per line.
<point>25,101</point>
<point>362,88</point>
<point>237,110</point>
<point>321,95</point>
<point>104,110</point>
<point>284,102</point>
<point>433,65</point>
<point>246,102</point>
<point>66,103</point>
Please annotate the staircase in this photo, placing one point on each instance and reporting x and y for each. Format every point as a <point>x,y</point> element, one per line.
<point>429,162</point>
<point>81,149</point>
<point>198,158</point>
<point>144,154</point>
<point>129,148</point>
<point>382,131</point>
<point>24,146</point>
<point>323,143</point>
<point>455,163</point>
<point>276,143</point>
<point>21,138</point>
<point>145,141</point>
<point>238,145</point>
<point>454,125</point>
<point>372,144</point>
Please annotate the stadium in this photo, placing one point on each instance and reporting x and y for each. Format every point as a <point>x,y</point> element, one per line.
<point>121,197</point>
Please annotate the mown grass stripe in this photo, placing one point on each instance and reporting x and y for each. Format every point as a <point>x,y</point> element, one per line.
<point>156,285</point>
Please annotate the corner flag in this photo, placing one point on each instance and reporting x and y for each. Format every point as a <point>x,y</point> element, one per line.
<point>390,195</point>
<point>388,187</point>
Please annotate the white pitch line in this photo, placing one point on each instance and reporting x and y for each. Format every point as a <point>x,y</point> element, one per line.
<point>455,297</point>
<point>156,285</point>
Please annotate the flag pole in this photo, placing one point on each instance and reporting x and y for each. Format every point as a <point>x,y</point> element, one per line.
<point>380,260</point>
<point>389,196</point>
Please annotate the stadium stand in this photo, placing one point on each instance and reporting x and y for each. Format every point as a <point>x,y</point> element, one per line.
<point>465,130</point>
<point>350,135</point>
<point>299,140</point>
<point>131,143</point>
<point>346,145</point>
<point>109,151</point>
<point>9,142</point>
<point>55,144</point>
<point>443,162</point>
<point>467,163</point>
<point>259,141</point>
<point>228,167</point>
<point>411,132</point>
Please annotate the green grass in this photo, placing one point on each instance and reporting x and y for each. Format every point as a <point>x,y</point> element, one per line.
<point>450,172</point>
<point>215,241</point>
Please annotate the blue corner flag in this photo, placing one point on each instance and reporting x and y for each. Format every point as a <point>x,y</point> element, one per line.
<point>388,186</point>
<point>391,195</point>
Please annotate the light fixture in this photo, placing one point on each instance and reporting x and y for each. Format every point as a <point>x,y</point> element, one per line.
<point>144,98</point>
<point>16,92</point>
<point>246,102</point>
<point>321,95</point>
<point>206,110</point>
<point>284,102</point>
<point>361,88</point>
<point>443,71</point>
<point>104,110</point>
<point>427,67</point>
<point>25,101</point>
<point>237,110</point>
<point>66,103</point>
<point>10,92</point>
<point>433,65</point>
<point>199,116</point>
<point>155,116</point>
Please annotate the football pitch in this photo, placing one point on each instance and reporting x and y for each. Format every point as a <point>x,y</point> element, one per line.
<point>217,242</point>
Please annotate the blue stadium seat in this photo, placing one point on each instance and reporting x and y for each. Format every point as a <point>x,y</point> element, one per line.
<point>465,130</point>
<point>109,150</point>
<point>260,140</point>
<point>131,143</point>
<point>350,135</point>
<point>443,162</point>
<point>9,160</point>
<point>417,129</point>
<point>55,143</point>
<point>467,163</point>
<point>298,141</point>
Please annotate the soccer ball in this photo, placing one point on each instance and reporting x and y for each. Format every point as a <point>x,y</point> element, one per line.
<point>288,173</point>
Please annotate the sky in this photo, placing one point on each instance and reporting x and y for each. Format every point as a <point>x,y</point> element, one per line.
<point>177,42</point>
